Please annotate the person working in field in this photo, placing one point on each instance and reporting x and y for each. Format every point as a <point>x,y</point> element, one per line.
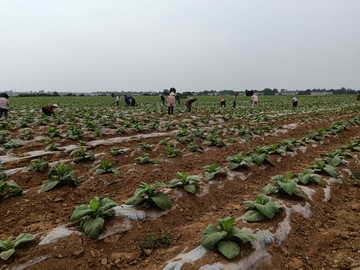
<point>222,102</point>
<point>4,105</point>
<point>234,99</point>
<point>189,102</point>
<point>171,103</point>
<point>294,101</point>
<point>49,109</point>
<point>255,100</point>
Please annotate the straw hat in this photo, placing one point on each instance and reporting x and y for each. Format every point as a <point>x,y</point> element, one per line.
<point>55,106</point>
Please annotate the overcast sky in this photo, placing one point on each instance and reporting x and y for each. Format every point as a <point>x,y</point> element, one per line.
<point>192,45</point>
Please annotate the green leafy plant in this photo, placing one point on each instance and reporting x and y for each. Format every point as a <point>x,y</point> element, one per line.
<point>239,161</point>
<point>8,246</point>
<point>171,151</point>
<point>284,185</point>
<point>193,147</point>
<point>92,215</point>
<point>145,159</point>
<point>321,166</point>
<point>308,176</point>
<point>262,208</point>
<point>12,144</point>
<point>106,167</point>
<point>226,237</point>
<point>117,151</point>
<point>335,159</point>
<point>185,181</point>
<point>81,154</point>
<point>261,158</point>
<point>60,174</point>
<point>38,165</point>
<point>212,170</point>
<point>53,132</point>
<point>53,147</point>
<point>3,175</point>
<point>9,189</point>
<point>144,146</point>
<point>148,195</point>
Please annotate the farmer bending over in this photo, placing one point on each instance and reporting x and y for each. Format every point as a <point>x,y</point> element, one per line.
<point>49,109</point>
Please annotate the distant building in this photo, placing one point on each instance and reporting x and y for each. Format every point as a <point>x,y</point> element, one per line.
<point>285,92</point>
<point>320,93</point>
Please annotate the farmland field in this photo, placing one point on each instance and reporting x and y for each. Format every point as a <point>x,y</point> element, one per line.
<point>109,151</point>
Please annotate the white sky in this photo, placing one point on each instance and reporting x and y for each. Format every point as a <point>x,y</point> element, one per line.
<point>192,45</point>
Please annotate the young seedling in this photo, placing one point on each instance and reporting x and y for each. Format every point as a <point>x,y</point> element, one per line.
<point>8,246</point>
<point>106,167</point>
<point>262,208</point>
<point>144,146</point>
<point>335,159</point>
<point>308,176</point>
<point>61,174</point>
<point>148,195</point>
<point>3,175</point>
<point>81,154</point>
<point>12,144</point>
<point>321,166</point>
<point>92,215</point>
<point>226,237</point>
<point>38,165</point>
<point>284,185</point>
<point>261,158</point>
<point>145,159</point>
<point>186,182</point>
<point>193,147</point>
<point>212,170</point>
<point>53,132</point>
<point>238,161</point>
<point>9,189</point>
<point>171,151</point>
<point>117,151</point>
<point>53,147</point>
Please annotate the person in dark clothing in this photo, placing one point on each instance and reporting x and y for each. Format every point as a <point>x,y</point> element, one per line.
<point>162,100</point>
<point>222,102</point>
<point>132,101</point>
<point>189,102</point>
<point>177,98</point>
<point>358,96</point>
<point>127,100</point>
<point>49,109</point>
<point>234,99</point>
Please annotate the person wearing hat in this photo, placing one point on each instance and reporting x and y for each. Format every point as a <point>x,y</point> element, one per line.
<point>4,105</point>
<point>49,109</point>
<point>171,103</point>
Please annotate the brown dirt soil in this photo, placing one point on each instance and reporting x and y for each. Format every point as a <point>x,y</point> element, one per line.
<point>328,239</point>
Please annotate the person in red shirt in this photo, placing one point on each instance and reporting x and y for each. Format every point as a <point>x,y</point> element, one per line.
<point>49,109</point>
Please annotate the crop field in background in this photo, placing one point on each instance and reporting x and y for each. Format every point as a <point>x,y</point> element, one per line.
<point>106,187</point>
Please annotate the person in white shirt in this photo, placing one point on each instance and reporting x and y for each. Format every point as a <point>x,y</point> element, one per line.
<point>4,105</point>
<point>294,101</point>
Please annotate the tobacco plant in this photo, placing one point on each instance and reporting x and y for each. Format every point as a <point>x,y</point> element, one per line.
<point>321,166</point>
<point>8,246</point>
<point>106,167</point>
<point>60,174</point>
<point>186,182</point>
<point>53,147</point>
<point>171,151</point>
<point>284,185</point>
<point>117,150</point>
<point>81,154</point>
<point>239,161</point>
<point>9,189</point>
<point>148,196</point>
<point>92,215</point>
<point>308,176</point>
<point>38,165</point>
<point>262,208</point>
<point>226,237</point>
<point>145,159</point>
<point>212,170</point>
<point>3,175</point>
<point>193,147</point>
<point>12,144</point>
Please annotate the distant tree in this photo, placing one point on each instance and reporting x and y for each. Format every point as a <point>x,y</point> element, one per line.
<point>249,93</point>
<point>188,94</point>
<point>166,92</point>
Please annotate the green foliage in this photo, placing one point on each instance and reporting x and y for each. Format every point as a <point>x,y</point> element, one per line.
<point>262,208</point>
<point>53,132</point>
<point>154,241</point>
<point>321,166</point>
<point>92,215</point>
<point>148,196</point>
<point>212,170</point>
<point>8,246</point>
<point>9,189</point>
<point>12,144</point>
<point>81,154</point>
<point>185,181</point>
<point>53,147</point>
<point>239,161</point>
<point>117,151</point>
<point>193,147</point>
<point>144,146</point>
<point>225,237</point>
<point>284,185</point>
<point>3,175</point>
<point>261,158</point>
<point>38,165</point>
<point>145,159</point>
<point>308,176</point>
<point>171,151</point>
<point>106,167</point>
<point>59,175</point>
